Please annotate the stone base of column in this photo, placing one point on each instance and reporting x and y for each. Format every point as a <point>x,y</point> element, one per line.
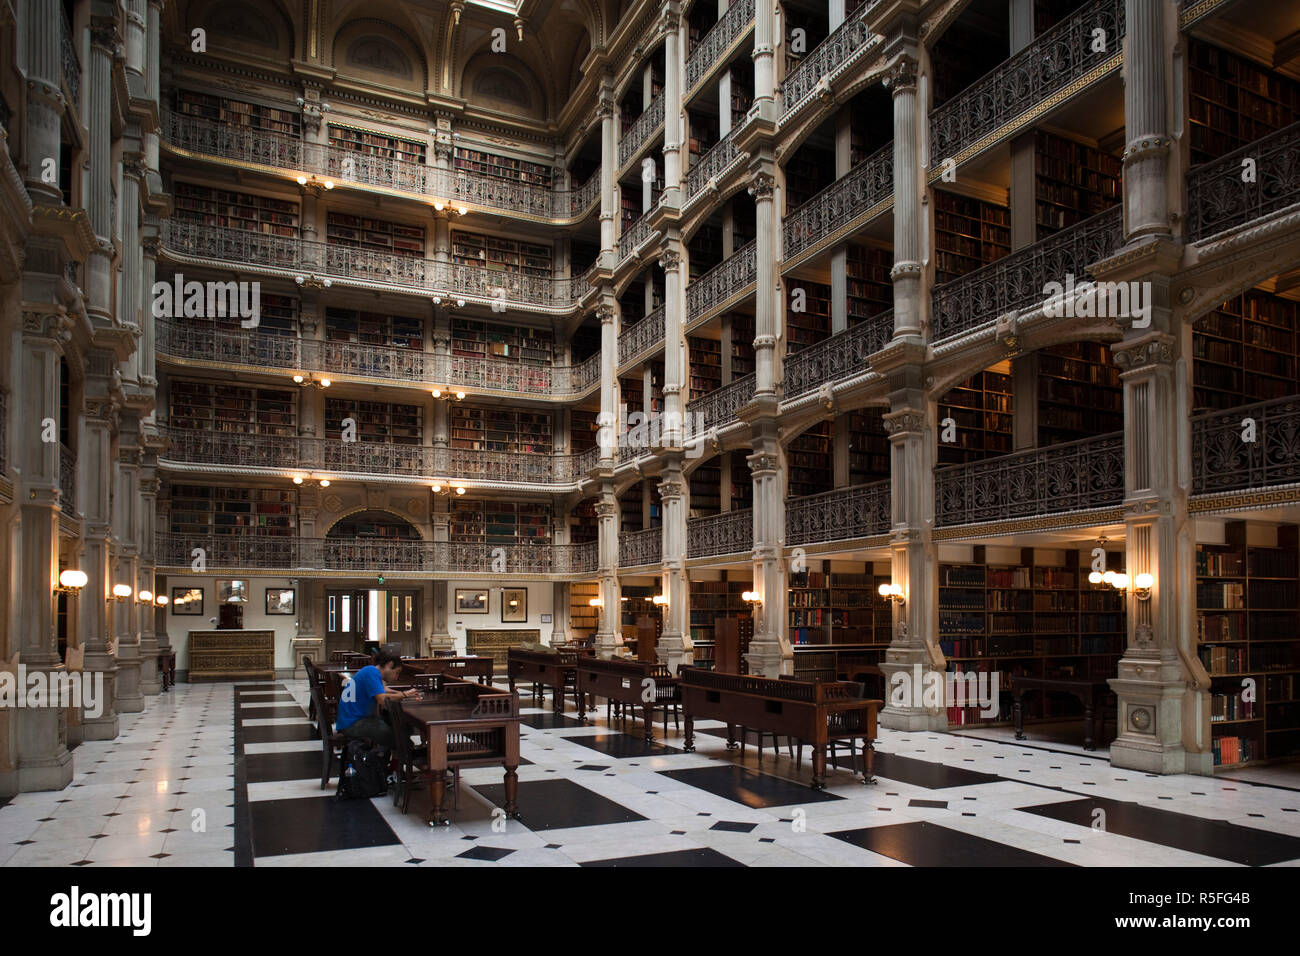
<point>607,645</point>
<point>766,660</point>
<point>150,678</point>
<point>129,698</point>
<point>43,731</point>
<point>105,725</point>
<point>309,646</point>
<point>441,642</point>
<point>672,651</point>
<point>911,713</point>
<point>1151,700</point>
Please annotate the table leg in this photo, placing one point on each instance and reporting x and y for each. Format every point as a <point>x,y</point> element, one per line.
<point>819,766</point>
<point>512,792</point>
<point>582,706</point>
<point>648,712</point>
<point>437,791</point>
<point>868,761</point>
<point>1019,713</point>
<point>690,732</point>
<point>731,737</point>
<point>1088,743</point>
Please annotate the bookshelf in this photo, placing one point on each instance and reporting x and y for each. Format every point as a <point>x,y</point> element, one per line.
<point>373,235</point>
<point>981,406</point>
<point>227,209</point>
<point>1246,351</point>
<point>1233,101</point>
<point>706,489</point>
<point>809,172</point>
<point>705,250</point>
<point>510,430</point>
<point>629,206</point>
<point>869,448</point>
<point>501,255</point>
<point>742,345</point>
<point>711,600</point>
<point>502,167</point>
<point>636,603</point>
<point>236,112</point>
<point>370,524</point>
<point>1246,624</point>
<point>584,430</point>
<point>475,339</point>
<point>742,484</point>
<point>584,619</point>
<point>839,624</point>
<point>968,233</point>
<point>808,460</point>
<point>499,523</point>
<point>704,135</point>
<point>376,144</point>
<point>1079,394</point>
<point>870,290</point>
<point>706,365</point>
<point>585,526</point>
<point>1022,617</point>
<point>1072,182</point>
<point>742,90</point>
<point>232,409</point>
<point>204,509</point>
<point>810,326</point>
<point>380,422</point>
<point>373,328</point>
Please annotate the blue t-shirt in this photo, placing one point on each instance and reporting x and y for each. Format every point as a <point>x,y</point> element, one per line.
<point>358,697</point>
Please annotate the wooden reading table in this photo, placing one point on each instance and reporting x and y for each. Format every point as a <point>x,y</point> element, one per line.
<point>462,667</point>
<point>812,712</point>
<point>1087,690</point>
<point>467,725</point>
<point>556,671</point>
<point>628,683</point>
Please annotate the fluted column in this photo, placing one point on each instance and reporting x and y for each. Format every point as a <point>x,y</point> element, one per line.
<point>1151,32</point>
<point>608,636</point>
<point>126,619</point>
<point>673,124</point>
<point>94,484</point>
<point>153,59</point>
<point>914,563</point>
<point>40,29</point>
<point>770,653</point>
<point>675,645</point>
<point>132,262</point>
<point>765,58</point>
<point>43,759</point>
<point>104,43</point>
<point>767,310</point>
<point>560,590</point>
<point>440,638</point>
<point>149,247</point>
<point>608,421</point>
<point>674,338</point>
<point>908,189</point>
<point>134,45</point>
<point>608,114</point>
<point>150,682</point>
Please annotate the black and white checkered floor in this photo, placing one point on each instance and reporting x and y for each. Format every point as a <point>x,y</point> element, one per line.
<point>176,789</point>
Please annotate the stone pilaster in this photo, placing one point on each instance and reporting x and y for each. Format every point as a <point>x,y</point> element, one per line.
<point>1151,32</point>
<point>608,114</point>
<point>126,617</point>
<point>770,653</point>
<point>675,645</point>
<point>673,125</point>
<point>94,482</point>
<point>767,307</point>
<point>909,187</point>
<point>41,25</point>
<point>609,328</point>
<point>150,681</point>
<point>98,80</point>
<point>440,638</point>
<point>608,635</point>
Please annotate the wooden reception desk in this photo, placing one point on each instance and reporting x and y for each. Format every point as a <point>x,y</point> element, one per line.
<point>232,655</point>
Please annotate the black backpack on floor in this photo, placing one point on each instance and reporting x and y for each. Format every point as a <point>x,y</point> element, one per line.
<point>365,771</point>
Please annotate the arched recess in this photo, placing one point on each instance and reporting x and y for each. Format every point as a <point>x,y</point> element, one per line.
<point>346,524</point>
<point>505,83</point>
<point>260,29</point>
<point>1202,288</point>
<point>380,51</point>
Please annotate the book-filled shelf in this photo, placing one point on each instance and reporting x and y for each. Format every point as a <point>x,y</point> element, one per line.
<point>712,601</point>
<point>706,365</point>
<point>869,449</point>
<point>372,524</point>
<point>1234,100</point>
<point>1248,639</point>
<point>706,495</point>
<point>510,430</point>
<point>371,143</point>
<point>584,429</point>
<point>969,233</point>
<point>742,344</point>
<point>232,409</point>
<point>501,255</point>
<point>1033,615</point>
<point>810,170</point>
<point>808,462</point>
<point>839,625</point>
<point>381,422</point>
<point>981,409</point>
<point>205,509</point>
<point>742,89</point>
<point>1079,394</point>
<point>704,134</point>
<point>636,604</point>
<point>473,339</point>
<point>484,163</point>
<point>227,209</point>
<point>583,618</point>
<point>505,523</point>
<point>373,235</point>
<point>584,526</point>
<point>222,109</point>
<point>1073,181</point>
<point>704,250</point>
<point>742,483</point>
<point>373,328</point>
<point>868,286</point>
<point>1245,351</point>
<point>813,323</point>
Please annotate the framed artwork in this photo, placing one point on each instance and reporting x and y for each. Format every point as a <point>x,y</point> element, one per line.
<point>187,602</point>
<point>546,619</point>
<point>232,592</point>
<point>471,600</point>
<point>514,605</point>
<point>279,600</point>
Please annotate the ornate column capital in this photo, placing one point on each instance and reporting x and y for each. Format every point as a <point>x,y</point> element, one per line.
<point>763,464</point>
<point>901,74</point>
<point>51,325</point>
<point>671,488</point>
<point>762,186</point>
<point>1150,350</point>
<point>670,260</point>
<point>606,312</point>
<point>606,509</point>
<point>904,421</point>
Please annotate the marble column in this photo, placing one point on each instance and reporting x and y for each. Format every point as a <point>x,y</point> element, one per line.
<point>98,80</point>
<point>675,645</point>
<point>673,125</point>
<point>608,113</point>
<point>440,637</point>
<point>770,653</point>
<point>126,618</point>
<point>908,189</point>
<point>1151,33</point>
<point>608,636</point>
<point>41,31</point>
<point>94,483</point>
<point>150,681</point>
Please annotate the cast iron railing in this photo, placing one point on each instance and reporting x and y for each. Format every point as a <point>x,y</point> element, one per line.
<point>868,184</point>
<point>645,336</point>
<point>849,42</point>
<point>736,21</point>
<point>841,356</point>
<point>67,480</point>
<point>1223,461</point>
<point>633,236</point>
<point>728,278</point>
<point>730,532</point>
<point>639,548</point>
<point>636,135</point>
<point>1075,476</point>
<point>861,511</point>
<point>719,407</point>
<point>1219,199</point>
<point>713,164</point>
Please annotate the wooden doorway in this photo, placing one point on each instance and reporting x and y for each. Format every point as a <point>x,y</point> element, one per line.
<point>402,621</point>
<point>347,617</point>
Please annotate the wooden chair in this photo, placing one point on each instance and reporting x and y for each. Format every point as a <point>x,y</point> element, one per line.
<point>412,761</point>
<point>332,742</point>
<point>310,670</point>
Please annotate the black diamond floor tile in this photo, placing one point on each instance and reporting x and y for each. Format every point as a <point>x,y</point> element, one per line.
<point>702,856</point>
<point>749,787</point>
<point>314,824</point>
<point>559,804</point>
<point>620,746</point>
<point>492,853</point>
<point>928,844</point>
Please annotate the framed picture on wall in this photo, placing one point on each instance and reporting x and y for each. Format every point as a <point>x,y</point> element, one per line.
<point>232,592</point>
<point>514,605</point>
<point>279,600</point>
<point>471,600</point>
<point>187,602</point>
<point>546,619</point>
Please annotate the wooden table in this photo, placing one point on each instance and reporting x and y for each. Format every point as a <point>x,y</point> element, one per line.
<point>634,683</point>
<point>813,712</point>
<point>167,667</point>
<point>467,725</point>
<point>1086,690</point>
<point>461,667</point>
<point>557,671</point>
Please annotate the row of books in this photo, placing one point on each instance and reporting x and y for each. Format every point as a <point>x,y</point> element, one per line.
<point>1234,750</point>
<point>1231,707</point>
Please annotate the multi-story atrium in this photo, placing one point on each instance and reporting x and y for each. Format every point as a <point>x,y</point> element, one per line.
<point>808,340</point>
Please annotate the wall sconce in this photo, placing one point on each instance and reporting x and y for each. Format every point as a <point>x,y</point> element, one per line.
<point>311,479</point>
<point>71,581</point>
<point>144,596</point>
<point>660,599</point>
<point>306,380</point>
<point>892,593</point>
<point>121,592</point>
<point>448,394</point>
<point>313,281</point>
<point>161,600</point>
<point>751,598</point>
<point>445,488</point>
<point>440,205</point>
<point>311,182</point>
<point>595,602</point>
<point>1142,586</point>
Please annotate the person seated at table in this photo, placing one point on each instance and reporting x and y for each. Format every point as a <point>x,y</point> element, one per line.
<point>361,704</point>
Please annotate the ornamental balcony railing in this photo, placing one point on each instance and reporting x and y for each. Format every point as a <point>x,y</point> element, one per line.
<point>290,553</point>
<point>1076,476</point>
<point>586,460</point>
<point>849,41</point>
<point>636,135</point>
<point>1016,281</point>
<point>841,356</point>
<point>713,164</point>
<point>370,361</point>
<point>633,236</point>
<point>719,407</point>
<point>1047,66</point>
<point>245,249</point>
<point>730,532</point>
<point>67,480</point>
<point>644,337</point>
<point>1222,461</point>
<point>1218,199</point>
<point>736,22</point>
<point>71,62</point>
<point>639,548</point>
<point>861,511</point>
<point>865,186</point>
<point>729,278</point>
<point>265,148</point>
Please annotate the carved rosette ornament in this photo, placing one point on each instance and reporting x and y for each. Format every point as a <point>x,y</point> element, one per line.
<point>901,74</point>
